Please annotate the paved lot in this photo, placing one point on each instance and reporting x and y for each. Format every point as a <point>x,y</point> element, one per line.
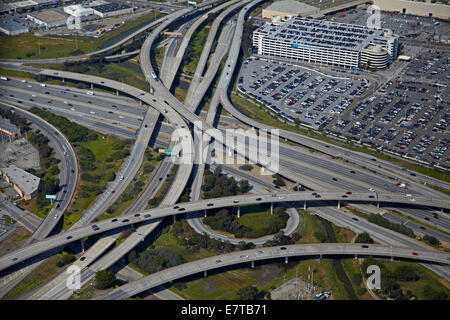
<point>298,92</point>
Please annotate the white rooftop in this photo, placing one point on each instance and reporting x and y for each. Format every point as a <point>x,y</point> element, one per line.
<point>25,181</point>
<point>290,6</point>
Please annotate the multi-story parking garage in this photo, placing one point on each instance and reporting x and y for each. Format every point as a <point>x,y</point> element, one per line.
<point>324,42</point>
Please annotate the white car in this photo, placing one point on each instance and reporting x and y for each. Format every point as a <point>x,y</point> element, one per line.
<point>121,178</point>
<point>73,109</point>
<point>43,85</point>
<point>65,102</point>
<point>29,86</point>
<point>121,117</point>
<point>24,81</point>
<point>33,95</point>
<point>92,112</point>
<point>55,216</point>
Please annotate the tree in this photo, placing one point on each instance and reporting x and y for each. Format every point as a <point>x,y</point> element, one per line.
<point>431,240</point>
<point>104,279</point>
<point>243,186</point>
<point>363,238</point>
<point>248,293</point>
<point>279,182</point>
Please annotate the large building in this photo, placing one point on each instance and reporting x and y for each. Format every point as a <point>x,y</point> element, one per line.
<point>288,8</point>
<point>12,27</point>
<point>111,9</point>
<point>421,8</point>
<point>326,42</point>
<point>24,183</point>
<point>48,18</point>
<point>8,129</point>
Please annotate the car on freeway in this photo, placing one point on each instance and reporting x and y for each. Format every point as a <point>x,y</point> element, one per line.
<point>259,252</point>
<point>125,220</point>
<point>314,193</point>
<point>137,215</point>
<point>355,219</point>
<point>181,209</point>
<point>352,171</point>
<point>415,254</point>
<point>344,196</point>
<point>165,111</point>
<point>235,201</point>
<point>365,246</point>
<point>244,256</point>
<point>114,220</point>
<point>82,258</point>
<point>283,248</point>
<point>348,192</point>
<point>317,196</point>
<point>210,204</point>
<point>94,226</point>
<point>69,237</point>
<point>334,179</point>
<point>176,207</point>
<point>92,112</point>
<point>218,261</point>
<point>148,215</point>
<point>113,191</point>
<point>14,259</point>
<point>258,199</point>
<point>371,197</point>
<point>121,177</point>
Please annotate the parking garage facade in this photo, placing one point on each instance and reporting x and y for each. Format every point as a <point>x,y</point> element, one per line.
<point>323,42</point>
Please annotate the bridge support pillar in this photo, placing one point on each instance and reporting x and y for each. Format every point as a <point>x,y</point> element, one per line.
<point>62,79</point>
<point>285,259</point>
<point>174,218</point>
<point>82,245</point>
<point>320,256</point>
<point>205,273</point>
<point>378,204</point>
<point>205,213</point>
<point>92,86</point>
<point>304,205</point>
<point>117,92</point>
<point>356,256</point>
<point>339,204</point>
<point>271,208</point>
<point>442,210</point>
<point>392,258</point>
<point>239,211</point>
<point>253,264</point>
<point>140,103</point>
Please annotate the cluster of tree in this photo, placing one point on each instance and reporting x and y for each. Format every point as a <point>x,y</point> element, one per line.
<point>432,240</point>
<point>246,167</point>
<point>134,191</point>
<point>247,36</point>
<point>74,132</point>
<point>248,293</point>
<point>66,258</point>
<point>278,181</point>
<point>15,119</point>
<point>390,278</point>
<point>96,62</point>
<point>383,222</point>
<point>216,185</point>
<point>104,279</point>
<point>363,238</point>
<point>87,159</point>
<point>155,259</point>
<point>279,239</point>
<point>45,151</point>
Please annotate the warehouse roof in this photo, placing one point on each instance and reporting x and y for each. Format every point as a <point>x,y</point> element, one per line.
<point>291,6</point>
<point>25,181</point>
<point>110,7</point>
<point>10,25</point>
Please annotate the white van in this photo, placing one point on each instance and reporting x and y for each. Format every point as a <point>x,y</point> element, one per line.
<point>4,78</point>
<point>90,93</point>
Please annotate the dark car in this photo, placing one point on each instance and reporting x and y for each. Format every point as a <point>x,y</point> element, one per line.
<point>334,179</point>
<point>365,246</point>
<point>181,209</point>
<point>114,220</point>
<point>352,171</point>
<point>371,197</point>
<point>344,196</point>
<point>82,258</point>
<point>137,215</point>
<point>283,248</point>
<point>69,237</point>
<point>94,226</point>
<point>348,192</point>
<point>413,174</point>
<point>148,215</point>
<point>314,193</point>
<point>415,254</point>
<point>317,196</point>
<point>356,219</point>
<point>176,207</point>
<point>125,220</point>
<point>258,199</point>
<point>210,204</point>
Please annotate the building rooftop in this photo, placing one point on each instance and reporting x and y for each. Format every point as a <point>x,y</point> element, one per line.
<point>292,6</point>
<point>22,4</point>
<point>25,181</point>
<point>49,16</point>
<point>109,7</point>
<point>10,25</point>
<point>320,33</point>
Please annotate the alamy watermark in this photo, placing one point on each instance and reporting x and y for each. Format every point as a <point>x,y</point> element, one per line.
<point>230,146</point>
<point>374,280</point>
<point>73,282</point>
<point>374,20</point>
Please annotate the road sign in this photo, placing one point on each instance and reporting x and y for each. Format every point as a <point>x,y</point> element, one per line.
<point>193,3</point>
<point>50,196</point>
<point>168,151</point>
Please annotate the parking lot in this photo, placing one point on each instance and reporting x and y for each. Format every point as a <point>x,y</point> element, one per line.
<point>430,64</point>
<point>295,92</point>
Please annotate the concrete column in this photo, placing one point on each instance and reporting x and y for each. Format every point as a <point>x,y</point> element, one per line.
<point>174,218</point>
<point>92,86</point>
<point>320,256</point>
<point>442,210</point>
<point>205,273</point>
<point>239,211</point>
<point>253,264</point>
<point>82,245</point>
<point>339,204</point>
<point>304,205</point>
<point>356,256</point>
<point>285,259</point>
<point>378,204</point>
<point>117,92</point>
<point>62,80</point>
<point>205,213</point>
<point>140,103</point>
<point>271,208</point>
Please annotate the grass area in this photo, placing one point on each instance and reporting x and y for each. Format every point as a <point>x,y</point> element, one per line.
<point>29,46</point>
<point>308,228</point>
<point>8,219</point>
<point>258,112</point>
<point>194,50</point>
<point>87,192</point>
<point>39,276</point>
<point>18,239</point>
<point>16,73</point>
<point>353,270</point>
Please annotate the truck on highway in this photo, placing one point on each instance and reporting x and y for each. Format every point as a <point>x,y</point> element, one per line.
<point>4,78</point>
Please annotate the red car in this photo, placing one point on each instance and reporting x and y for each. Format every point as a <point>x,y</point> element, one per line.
<point>415,254</point>
<point>113,191</point>
<point>348,192</point>
<point>137,215</point>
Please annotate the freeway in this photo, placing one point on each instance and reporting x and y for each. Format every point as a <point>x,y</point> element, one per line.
<point>37,248</point>
<point>24,217</point>
<point>250,256</point>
